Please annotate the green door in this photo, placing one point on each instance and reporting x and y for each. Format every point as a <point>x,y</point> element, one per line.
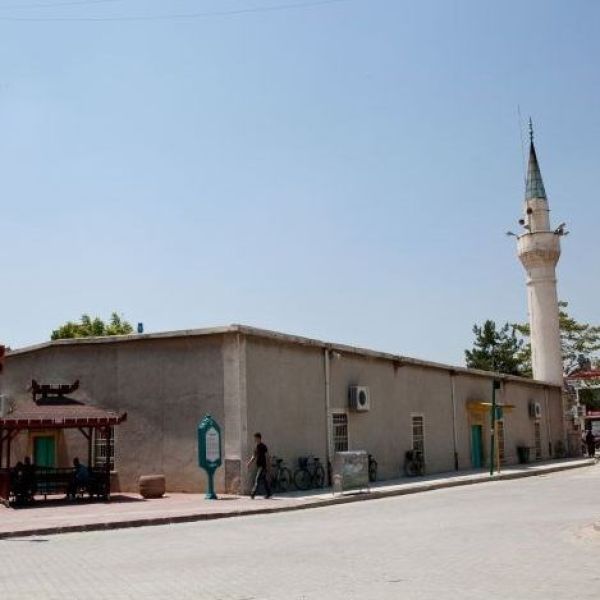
<point>476,446</point>
<point>44,451</point>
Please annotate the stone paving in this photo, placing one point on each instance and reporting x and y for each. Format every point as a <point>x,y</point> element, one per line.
<point>127,510</point>
<point>525,539</point>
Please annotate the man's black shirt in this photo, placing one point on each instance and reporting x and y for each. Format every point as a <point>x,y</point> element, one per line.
<point>261,455</point>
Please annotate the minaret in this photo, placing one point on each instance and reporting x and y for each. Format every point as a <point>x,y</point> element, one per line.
<point>539,251</point>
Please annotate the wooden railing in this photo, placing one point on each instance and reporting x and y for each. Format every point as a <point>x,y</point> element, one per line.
<point>23,486</point>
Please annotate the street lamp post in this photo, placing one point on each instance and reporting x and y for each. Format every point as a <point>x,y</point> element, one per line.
<point>495,386</point>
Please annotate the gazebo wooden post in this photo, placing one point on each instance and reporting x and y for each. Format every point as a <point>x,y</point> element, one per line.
<point>8,442</point>
<point>89,440</point>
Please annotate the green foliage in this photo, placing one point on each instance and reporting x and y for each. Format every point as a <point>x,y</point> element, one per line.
<point>590,398</point>
<point>580,342</point>
<point>511,347</point>
<point>495,349</point>
<point>96,327</point>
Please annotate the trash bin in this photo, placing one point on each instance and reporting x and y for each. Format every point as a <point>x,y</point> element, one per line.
<point>523,454</point>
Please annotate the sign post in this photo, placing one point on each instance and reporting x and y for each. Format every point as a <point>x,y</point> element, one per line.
<point>209,451</point>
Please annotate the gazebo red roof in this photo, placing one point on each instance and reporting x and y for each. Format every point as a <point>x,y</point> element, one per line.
<point>60,414</point>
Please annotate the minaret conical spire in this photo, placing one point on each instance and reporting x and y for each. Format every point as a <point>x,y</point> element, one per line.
<point>534,187</point>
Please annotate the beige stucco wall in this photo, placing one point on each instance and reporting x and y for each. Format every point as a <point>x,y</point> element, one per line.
<point>396,392</point>
<point>518,425</point>
<point>285,387</point>
<point>164,385</point>
<point>286,403</point>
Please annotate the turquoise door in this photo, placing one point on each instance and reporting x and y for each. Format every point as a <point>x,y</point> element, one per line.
<point>476,446</point>
<point>44,451</point>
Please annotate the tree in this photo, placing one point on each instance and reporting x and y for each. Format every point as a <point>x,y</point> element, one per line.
<point>495,349</point>
<point>88,327</point>
<point>579,342</point>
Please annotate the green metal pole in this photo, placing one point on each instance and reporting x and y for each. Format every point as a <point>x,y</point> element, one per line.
<point>210,494</point>
<point>493,429</point>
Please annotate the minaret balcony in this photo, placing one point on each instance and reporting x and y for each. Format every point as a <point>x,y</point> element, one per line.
<point>539,249</point>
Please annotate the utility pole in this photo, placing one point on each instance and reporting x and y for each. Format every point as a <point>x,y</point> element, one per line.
<point>493,413</point>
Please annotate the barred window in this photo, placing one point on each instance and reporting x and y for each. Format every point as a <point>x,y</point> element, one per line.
<point>418,433</point>
<point>339,423</point>
<point>102,450</point>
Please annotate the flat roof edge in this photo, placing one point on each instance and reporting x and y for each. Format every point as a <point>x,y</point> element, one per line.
<point>284,338</point>
<point>114,339</point>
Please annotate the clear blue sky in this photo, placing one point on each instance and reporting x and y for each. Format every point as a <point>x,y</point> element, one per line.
<point>344,171</point>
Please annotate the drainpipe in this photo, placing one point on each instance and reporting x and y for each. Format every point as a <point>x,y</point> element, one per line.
<point>326,355</point>
<point>454,437</point>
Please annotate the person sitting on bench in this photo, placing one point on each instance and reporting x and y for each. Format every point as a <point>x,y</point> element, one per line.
<point>29,479</point>
<point>81,478</point>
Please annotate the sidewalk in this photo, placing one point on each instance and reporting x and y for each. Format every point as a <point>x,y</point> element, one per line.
<point>130,510</point>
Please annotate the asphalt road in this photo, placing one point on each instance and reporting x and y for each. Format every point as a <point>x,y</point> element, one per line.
<point>519,540</point>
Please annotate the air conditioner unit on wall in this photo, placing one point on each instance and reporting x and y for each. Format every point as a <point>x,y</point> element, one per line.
<point>359,398</point>
<point>535,410</point>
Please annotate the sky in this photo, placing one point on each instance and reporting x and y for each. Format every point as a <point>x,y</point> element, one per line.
<point>344,170</point>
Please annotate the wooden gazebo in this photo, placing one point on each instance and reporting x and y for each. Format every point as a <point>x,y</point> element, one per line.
<point>51,408</point>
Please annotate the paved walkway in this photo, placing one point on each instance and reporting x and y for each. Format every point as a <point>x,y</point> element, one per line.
<point>531,539</point>
<point>129,510</point>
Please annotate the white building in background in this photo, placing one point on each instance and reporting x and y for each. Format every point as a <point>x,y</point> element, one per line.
<point>539,251</point>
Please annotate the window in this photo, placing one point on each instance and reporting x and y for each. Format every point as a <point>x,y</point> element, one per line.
<point>537,434</point>
<point>100,448</point>
<point>418,434</point>
<point>500,430</point>
<point>339,422</point>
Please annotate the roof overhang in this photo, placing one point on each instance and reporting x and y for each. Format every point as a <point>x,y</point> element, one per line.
<point>61,422</point>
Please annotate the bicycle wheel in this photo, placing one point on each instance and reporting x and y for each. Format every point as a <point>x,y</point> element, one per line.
<point>284,480</point>
<point>274,479</point>
<point>319,477</point>
<point>302,479</point>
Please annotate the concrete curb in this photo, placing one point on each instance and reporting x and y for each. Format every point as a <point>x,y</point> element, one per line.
<point>323,502</point>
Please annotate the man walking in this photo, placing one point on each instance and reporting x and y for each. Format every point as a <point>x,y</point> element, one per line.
<point>590,442</point>
<point>260,456</point>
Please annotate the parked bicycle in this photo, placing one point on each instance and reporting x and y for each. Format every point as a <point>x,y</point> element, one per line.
<point>372,468</point>
<point>281,476</point>
<point>414,463</point>
<point>309,474</point>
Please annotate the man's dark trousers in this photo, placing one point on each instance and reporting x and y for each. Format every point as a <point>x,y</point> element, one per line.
<point>261,475</point>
